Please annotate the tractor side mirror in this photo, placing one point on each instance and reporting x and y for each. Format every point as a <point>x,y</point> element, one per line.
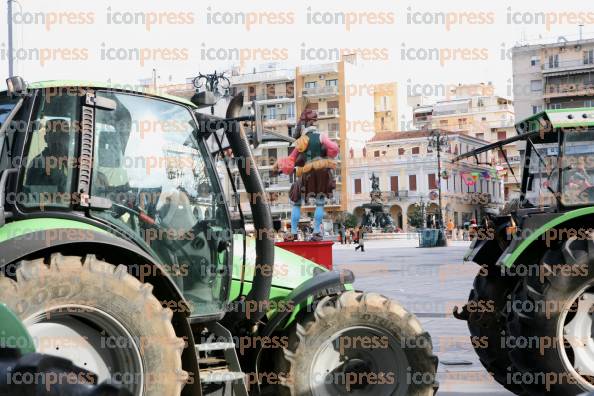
<point>16,86</point>
<point>204,99</point>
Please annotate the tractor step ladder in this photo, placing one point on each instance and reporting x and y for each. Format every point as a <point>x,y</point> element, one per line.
<point>218,361</point>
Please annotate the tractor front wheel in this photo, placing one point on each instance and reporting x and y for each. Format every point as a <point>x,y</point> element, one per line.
<point>359,344</point>
<point>99,317</point>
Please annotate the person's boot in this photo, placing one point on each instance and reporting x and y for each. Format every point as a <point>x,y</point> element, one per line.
<point>316,237</point>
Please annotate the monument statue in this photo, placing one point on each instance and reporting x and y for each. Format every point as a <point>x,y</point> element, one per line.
<point>375,215</point>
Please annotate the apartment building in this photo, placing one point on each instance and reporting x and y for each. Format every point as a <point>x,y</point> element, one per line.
<point>345,113</point>
<point>273,90</point>
<point>553,76</point>
<point>385,107</point>
<point>407,170</point>
<point>475,111</point>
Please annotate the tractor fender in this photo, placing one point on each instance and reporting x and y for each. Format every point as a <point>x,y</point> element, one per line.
<point>115,250</point>
<point>535,228</point>
<point>93,241</point>
<point>314,286</point>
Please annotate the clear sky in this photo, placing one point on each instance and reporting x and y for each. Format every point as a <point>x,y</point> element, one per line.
<point>423,45</point>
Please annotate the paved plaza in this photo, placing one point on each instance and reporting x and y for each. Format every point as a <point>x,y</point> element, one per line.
<point>428,282</point>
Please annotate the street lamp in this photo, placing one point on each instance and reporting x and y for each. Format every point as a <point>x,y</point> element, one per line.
<point>438,139</point>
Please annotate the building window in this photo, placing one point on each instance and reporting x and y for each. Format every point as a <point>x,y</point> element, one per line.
<point>432,181</point>
<point>415,150</point>
<point>271,112</point>
<point>332,83</point>
<point>376,153</point>
<point>502,135</point>
<point>534,61</point>
<point>357,186</point>
<point>536,85</point>
<point>311,84</point>
<point>589,103</point>
<point>394,183</point>
<point>555,106</point>
<point>553,61</point>
<point>400,151</point>
<point>536,109</point>
<point>589,57</point>
<point>412,182</point>
<point>290,88</point>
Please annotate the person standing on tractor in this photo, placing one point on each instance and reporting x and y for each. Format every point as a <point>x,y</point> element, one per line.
<point>312,161</point>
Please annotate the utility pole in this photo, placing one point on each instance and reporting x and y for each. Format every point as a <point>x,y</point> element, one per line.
<point>10,49</point>
<point>436,141</point>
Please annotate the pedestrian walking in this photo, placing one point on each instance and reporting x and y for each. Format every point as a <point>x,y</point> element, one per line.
<point>361,239</point>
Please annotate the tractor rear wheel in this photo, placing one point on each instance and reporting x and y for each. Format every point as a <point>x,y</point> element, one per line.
<point>359,344</point>
<point>487,325</point>
<point>101,318</point>
<point>551,322</point>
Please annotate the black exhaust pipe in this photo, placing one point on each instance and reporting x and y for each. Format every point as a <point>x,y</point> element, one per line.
<point>255,305</point>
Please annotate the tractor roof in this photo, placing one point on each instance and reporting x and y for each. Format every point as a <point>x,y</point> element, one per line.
<point>538,126</point>
<point>114,86</point>
<point>560,118</point>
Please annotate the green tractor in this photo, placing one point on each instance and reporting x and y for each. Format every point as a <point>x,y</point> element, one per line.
<point>119,253</point>
<point>530,311</point>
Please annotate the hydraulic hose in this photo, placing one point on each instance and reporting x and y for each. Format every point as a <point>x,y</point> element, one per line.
<point>255,304</point>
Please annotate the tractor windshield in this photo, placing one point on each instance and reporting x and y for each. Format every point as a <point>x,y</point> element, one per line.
<point>578,168</point>
<point>165,193</point>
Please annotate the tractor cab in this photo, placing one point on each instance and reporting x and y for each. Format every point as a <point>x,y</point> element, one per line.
<point>558,161</point>
<point>134,165</point>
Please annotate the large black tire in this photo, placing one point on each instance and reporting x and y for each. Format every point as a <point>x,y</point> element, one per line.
<point>540,307</point>
<point>487,325</point>
<point>91,286</point>
<point>414,357</point>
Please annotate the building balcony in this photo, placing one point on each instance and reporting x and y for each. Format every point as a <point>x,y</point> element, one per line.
<point>319,69</point>
<point>568,90</point>
<point>321,91</point>
<point>288,117</point>
<point>267,76</point>
<point>263,99</point>
<point>329,113</point>
<point>566,65</point>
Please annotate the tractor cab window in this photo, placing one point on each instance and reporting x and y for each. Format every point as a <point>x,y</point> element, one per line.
<point>164,193</point>
<point>578,168</point>
<point>50,165</point>
<point>7,103</point>
<point>543,175</point>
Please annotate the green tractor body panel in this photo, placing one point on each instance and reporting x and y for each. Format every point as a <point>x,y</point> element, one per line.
<point>19,228</point>
<point>290,270</point>
<point>508,259</point>
<point>13,333</point>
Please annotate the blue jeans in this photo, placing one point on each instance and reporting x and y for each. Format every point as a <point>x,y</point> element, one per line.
<point>318,215</point>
